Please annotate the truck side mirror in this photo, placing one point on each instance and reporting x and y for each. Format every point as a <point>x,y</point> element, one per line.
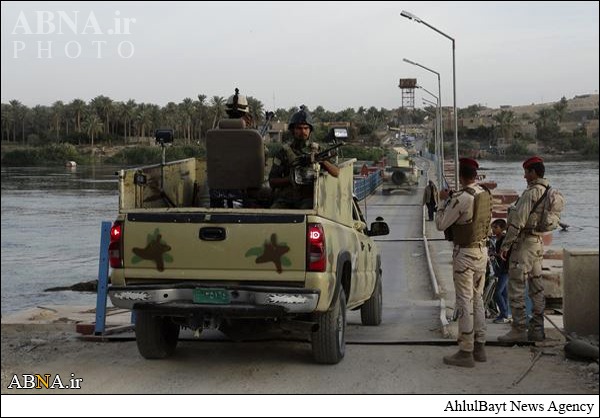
<point>164,136</point>
<point>379,228</point>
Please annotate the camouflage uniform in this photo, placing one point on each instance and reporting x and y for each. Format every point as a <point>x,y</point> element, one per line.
<point>525,262</point>
<point>290,196</point>
<point>469,266</point>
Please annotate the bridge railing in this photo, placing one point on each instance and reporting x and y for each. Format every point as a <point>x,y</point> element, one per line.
<point>365,185</point>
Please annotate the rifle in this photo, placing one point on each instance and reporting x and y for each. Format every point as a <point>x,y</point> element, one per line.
<point>268,117</point>
<point>318,157</point>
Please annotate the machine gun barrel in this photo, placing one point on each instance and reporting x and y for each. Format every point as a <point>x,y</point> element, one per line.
<point>325,154</point>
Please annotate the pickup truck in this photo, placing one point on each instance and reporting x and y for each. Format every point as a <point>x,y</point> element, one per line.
<point>179,260</point>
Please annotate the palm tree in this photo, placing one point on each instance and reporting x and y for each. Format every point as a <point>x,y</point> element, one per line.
<point>143,119</point>
<point>187,112</point>
<point>58,110</point>
<point>6,121</point>
<point>560,108</point>
<point>103,106</point>
<point>93,126</point>
<point>256,109</point>
<point>127,112</point>
<point>200,110</point>
<point>15,111</point>
<point>218,108</point>
<point>507,123</point>
<point>78,106</point>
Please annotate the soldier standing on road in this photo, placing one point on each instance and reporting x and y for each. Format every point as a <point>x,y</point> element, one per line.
<point>526,252</point>
<point>465,218</point>
<point>288,194</point>
<point>430,198</point>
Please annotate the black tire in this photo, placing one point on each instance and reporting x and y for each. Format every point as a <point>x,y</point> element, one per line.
<point>371,311</point>
<point>329,341</point>
<point>156,336</point>
<point>398,178</point>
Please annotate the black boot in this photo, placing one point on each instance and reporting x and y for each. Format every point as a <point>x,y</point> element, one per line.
<point>460,359</point>
<point>479,353</point>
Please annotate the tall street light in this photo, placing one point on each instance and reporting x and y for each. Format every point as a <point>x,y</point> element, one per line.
<point>410,16</point>
<point>440,117</point>
<point>436,115</point>
<point>438,126</point>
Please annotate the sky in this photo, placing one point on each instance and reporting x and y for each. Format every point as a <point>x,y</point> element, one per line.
<point>333,54</point>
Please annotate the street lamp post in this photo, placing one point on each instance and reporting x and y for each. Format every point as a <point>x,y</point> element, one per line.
<point>437,107</point>
<point>410,16</point>
<point>440,119</point>
<point>436,134</point>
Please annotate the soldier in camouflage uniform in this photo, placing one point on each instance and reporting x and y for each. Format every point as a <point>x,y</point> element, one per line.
<point>465,218</point>
<point>286,193</point>
<point>526,252</point>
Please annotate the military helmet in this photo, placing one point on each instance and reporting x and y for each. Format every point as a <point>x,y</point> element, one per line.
<point>301,117</point>
<point>237,105</point>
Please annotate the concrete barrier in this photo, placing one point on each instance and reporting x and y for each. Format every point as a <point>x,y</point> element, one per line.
<point>580,295</point>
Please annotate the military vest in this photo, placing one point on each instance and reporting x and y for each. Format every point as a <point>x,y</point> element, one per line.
<point>476,230</point>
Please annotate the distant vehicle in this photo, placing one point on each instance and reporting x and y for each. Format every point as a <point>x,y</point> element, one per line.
<point>401,173</point>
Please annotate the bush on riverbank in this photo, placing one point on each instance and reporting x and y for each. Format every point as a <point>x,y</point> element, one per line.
<point>55,154</point>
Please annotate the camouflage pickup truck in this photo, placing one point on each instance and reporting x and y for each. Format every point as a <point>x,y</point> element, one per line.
<point>179,262</point>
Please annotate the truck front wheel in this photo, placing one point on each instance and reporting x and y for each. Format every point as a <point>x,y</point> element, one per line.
<point>156,336</point>
<point>329,341</point>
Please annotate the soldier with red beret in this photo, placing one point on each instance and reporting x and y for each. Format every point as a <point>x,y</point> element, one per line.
<point>526,251</point>
<point>465,218</point>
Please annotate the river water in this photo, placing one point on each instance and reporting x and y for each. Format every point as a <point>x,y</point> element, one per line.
<point>51,221</point>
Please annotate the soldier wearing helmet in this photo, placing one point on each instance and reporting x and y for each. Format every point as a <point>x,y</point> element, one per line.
<point>236,107</point>
<point>467,214</point>
<point>288,194</point>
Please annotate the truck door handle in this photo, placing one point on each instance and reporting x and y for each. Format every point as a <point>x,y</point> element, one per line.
<point>212,233</point>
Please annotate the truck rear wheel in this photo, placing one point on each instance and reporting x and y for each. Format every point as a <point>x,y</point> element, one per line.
<point>329,341</point>
<point>371,310</point>
<point>156,336</point>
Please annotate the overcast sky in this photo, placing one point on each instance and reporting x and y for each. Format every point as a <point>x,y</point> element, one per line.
<point>338,55</point>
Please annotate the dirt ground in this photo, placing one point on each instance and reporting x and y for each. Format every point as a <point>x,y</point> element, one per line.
<point>284,367</point>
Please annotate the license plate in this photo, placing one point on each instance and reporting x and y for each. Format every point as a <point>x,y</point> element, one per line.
<point>214,296</point>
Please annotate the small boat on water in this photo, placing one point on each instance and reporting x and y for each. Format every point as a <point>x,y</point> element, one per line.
<point>70,164</point>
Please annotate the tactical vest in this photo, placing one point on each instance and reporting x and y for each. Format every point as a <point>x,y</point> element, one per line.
<point>476,230</point>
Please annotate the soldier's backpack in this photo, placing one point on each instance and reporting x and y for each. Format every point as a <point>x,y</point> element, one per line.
<point>553,203</point>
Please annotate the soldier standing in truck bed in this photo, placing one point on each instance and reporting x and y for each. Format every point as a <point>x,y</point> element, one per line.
<point>286,193</point>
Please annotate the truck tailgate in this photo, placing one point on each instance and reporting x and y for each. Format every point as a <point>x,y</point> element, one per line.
<point>215,246</point>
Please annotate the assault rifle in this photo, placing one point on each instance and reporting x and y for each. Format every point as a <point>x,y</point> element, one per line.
<point>318,157</point>
<point>268,118</point>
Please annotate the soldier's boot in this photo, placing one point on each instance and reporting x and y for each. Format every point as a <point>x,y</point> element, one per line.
<point>479,353</point>
<point>536,334</point>
<point>460,359</point>
<point>536,328</point>
<point>515,335</point>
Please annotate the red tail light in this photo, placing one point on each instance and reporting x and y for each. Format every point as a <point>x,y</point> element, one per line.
<point>316,257</point>
<point>114,248</point>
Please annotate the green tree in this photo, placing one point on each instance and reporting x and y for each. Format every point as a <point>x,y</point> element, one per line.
<point>506,123</point>
<point>218,109</point>
<point>93,126</point>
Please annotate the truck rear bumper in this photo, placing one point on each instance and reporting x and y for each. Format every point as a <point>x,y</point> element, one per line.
<point>242,300</point>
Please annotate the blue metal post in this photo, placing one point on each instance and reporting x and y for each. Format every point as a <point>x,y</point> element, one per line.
<point>102,294</point>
